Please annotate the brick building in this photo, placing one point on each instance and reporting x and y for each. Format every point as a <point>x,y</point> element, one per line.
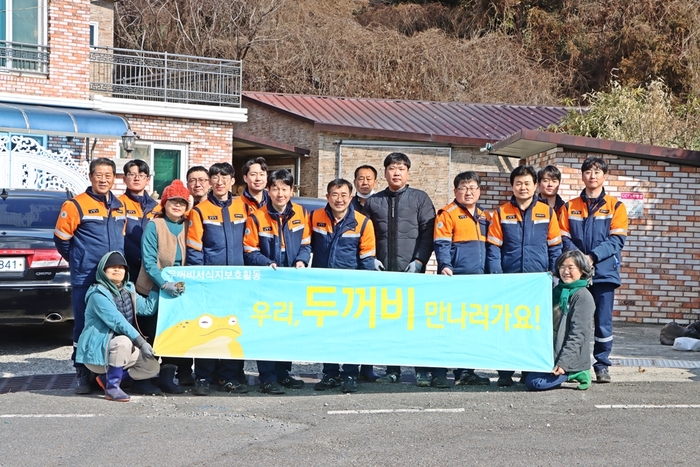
<point>59,63</point>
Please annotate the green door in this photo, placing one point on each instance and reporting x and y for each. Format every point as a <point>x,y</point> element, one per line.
<point>166,165</point>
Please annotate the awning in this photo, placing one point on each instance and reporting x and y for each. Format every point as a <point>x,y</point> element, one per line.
<point>60,121</point>
<point>250,146</point>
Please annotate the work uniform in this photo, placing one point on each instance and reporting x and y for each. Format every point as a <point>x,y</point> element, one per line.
<point>139,211</point>
<point>459,239</point>
<point>598,228</point>
<point>89,226</point>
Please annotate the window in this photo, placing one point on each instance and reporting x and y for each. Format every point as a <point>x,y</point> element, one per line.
<point>23,35</point>
<point>93,34</point>
<point>167,162</point>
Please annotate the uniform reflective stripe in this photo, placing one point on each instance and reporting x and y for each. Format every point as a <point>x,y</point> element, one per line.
<point>603,339</point>
<point>447,239</point>
<point>618,232</point>
<point>265,234</point>
<point>370,253</point>
<point>62,235</point>
<point>93,218</point>
<point>250,248</point>
<point>553,241</point>
<point>541,221</point>
<point>350,234</point>
<point>119,218</point>
<point>299,227</point>
<point>509,221</point>
<point>565,233</point>
<point>211,222</point>
<point>195,245</point>
<point>133,217</point>
<point>321,231</point>
<point>495,240</point>
<point>576,219</point>
<point>607,216</point>
<point>306,240</point>
<point>238,221</point>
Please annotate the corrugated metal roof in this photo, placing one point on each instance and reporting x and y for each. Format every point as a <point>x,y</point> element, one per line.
<point>448,122</point>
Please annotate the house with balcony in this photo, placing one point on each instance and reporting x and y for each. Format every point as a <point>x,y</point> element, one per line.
<point>68,96</point>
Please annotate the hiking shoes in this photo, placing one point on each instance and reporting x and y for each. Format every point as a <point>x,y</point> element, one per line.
<point>472,379</point>
<point>349,384</point>
<point>233,386</point>
<point>602,376</point>
<point>327,382</point>
<point>271,388</point>
<point>440,382</point>
<point>389,378</point>
<point>201,388</point>
<point>291,383</point>
<point>422,380</point>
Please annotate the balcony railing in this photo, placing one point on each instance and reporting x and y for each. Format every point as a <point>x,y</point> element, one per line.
<point>164,77</point>
<point>24,57</point>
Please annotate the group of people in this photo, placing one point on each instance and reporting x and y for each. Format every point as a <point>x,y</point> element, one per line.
<point>117,248</point>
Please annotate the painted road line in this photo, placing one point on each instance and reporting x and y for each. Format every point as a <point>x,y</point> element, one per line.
<point>49,415</point>
<point>649,406</point>
<point>378,411</point>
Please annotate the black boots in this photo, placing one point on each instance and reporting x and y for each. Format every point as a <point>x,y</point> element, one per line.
<point>165,380</point>
<point>84,378</point>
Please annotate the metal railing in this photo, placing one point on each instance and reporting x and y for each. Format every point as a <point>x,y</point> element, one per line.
<point>165,77</point>
<point>24,57</point>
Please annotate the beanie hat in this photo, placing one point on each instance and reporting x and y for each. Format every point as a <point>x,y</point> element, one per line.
<point>176,190</point>
<point>116,259</point>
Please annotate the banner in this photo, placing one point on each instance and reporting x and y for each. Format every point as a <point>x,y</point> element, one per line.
<point>501,321</point>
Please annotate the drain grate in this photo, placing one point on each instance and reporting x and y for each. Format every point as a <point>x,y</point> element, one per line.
<point>37,382</point>
<point>658,362</point>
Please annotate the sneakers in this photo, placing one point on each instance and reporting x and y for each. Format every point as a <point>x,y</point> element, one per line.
<point>367,374</point>
<point>201,388</point>
<point>349,384</point>
<point>327,382</point>
<point>469,378</point>
<point>505,381</point>
<point>440,382</point>
<point>602,376</point>
<point>422,380</point>
<point>291,383</point>
<point>271,388</point>
<point>389,378</point>
<point>233,386</point>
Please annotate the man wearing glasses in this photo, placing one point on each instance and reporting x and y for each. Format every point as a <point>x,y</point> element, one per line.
<point>140,209</point>
<point>198,183</point>
<point>341,238</point>
<point>215,237</point>
<point>459,242</point>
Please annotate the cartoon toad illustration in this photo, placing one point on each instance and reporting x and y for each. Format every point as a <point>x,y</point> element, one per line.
<point>207,336</point>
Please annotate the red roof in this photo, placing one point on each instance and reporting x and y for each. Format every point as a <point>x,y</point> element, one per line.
<point>445,122</point>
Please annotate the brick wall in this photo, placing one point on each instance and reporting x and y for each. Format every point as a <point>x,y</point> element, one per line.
<point>661,258</point>
<point>69,39</point>
<point>102,12</point>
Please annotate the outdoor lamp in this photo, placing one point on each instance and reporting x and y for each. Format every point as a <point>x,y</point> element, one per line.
<point>129,140</point>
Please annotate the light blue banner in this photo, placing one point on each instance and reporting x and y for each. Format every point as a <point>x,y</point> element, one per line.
<point>499,321</point>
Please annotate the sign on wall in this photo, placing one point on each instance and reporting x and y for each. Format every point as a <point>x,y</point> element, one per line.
<point>634,202</point>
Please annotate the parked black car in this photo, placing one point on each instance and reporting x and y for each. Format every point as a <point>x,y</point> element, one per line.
<point>310,204</point>
<point>34,279</point>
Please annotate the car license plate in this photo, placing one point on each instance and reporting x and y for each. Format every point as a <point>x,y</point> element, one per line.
<point>12,264</point>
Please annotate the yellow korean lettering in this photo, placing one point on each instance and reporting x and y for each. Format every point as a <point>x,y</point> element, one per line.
<point>318,307</point>
<point>261,311</point>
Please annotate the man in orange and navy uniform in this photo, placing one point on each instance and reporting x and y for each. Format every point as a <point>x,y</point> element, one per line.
<point>523,236</point>
<point>90,225</point>
<point>341,238</point>
<point>140,209</point>
<point>215,237</point>
<point>278,235</point>
<point>255,177</point>
<point>596,224</point>
<point>459,241</point>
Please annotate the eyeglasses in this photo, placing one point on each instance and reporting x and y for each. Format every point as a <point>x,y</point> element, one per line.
<point>201,181</point>
<point>471,189</point>
<point>136,176</point>
<point>568,268</point>
<point>223,178</point>
<point>178,202</point>
<point>337,196</point>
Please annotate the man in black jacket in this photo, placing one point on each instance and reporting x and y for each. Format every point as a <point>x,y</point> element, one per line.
<point>403,219</point>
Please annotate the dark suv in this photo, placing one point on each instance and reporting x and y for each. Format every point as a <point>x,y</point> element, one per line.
<point>34,279</point>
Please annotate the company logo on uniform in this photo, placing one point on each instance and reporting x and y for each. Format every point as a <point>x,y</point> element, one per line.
<point>130,211</point>
<point>64,214</point>
<point>296,221</point>
<point>238,216</point>
<point>267,229</point>
<point>576,213</point>
<point>539,215</point>
<point>463,216</point>
<point>321,224</point>
<point>604,211</point>
<point>213,218</point>
<point>440,225</point>
<point>247,231</point>
<point>94,211</point>
<point>513,216</point>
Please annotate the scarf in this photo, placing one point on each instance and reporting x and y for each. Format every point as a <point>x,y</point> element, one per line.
<point>562,292</point>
